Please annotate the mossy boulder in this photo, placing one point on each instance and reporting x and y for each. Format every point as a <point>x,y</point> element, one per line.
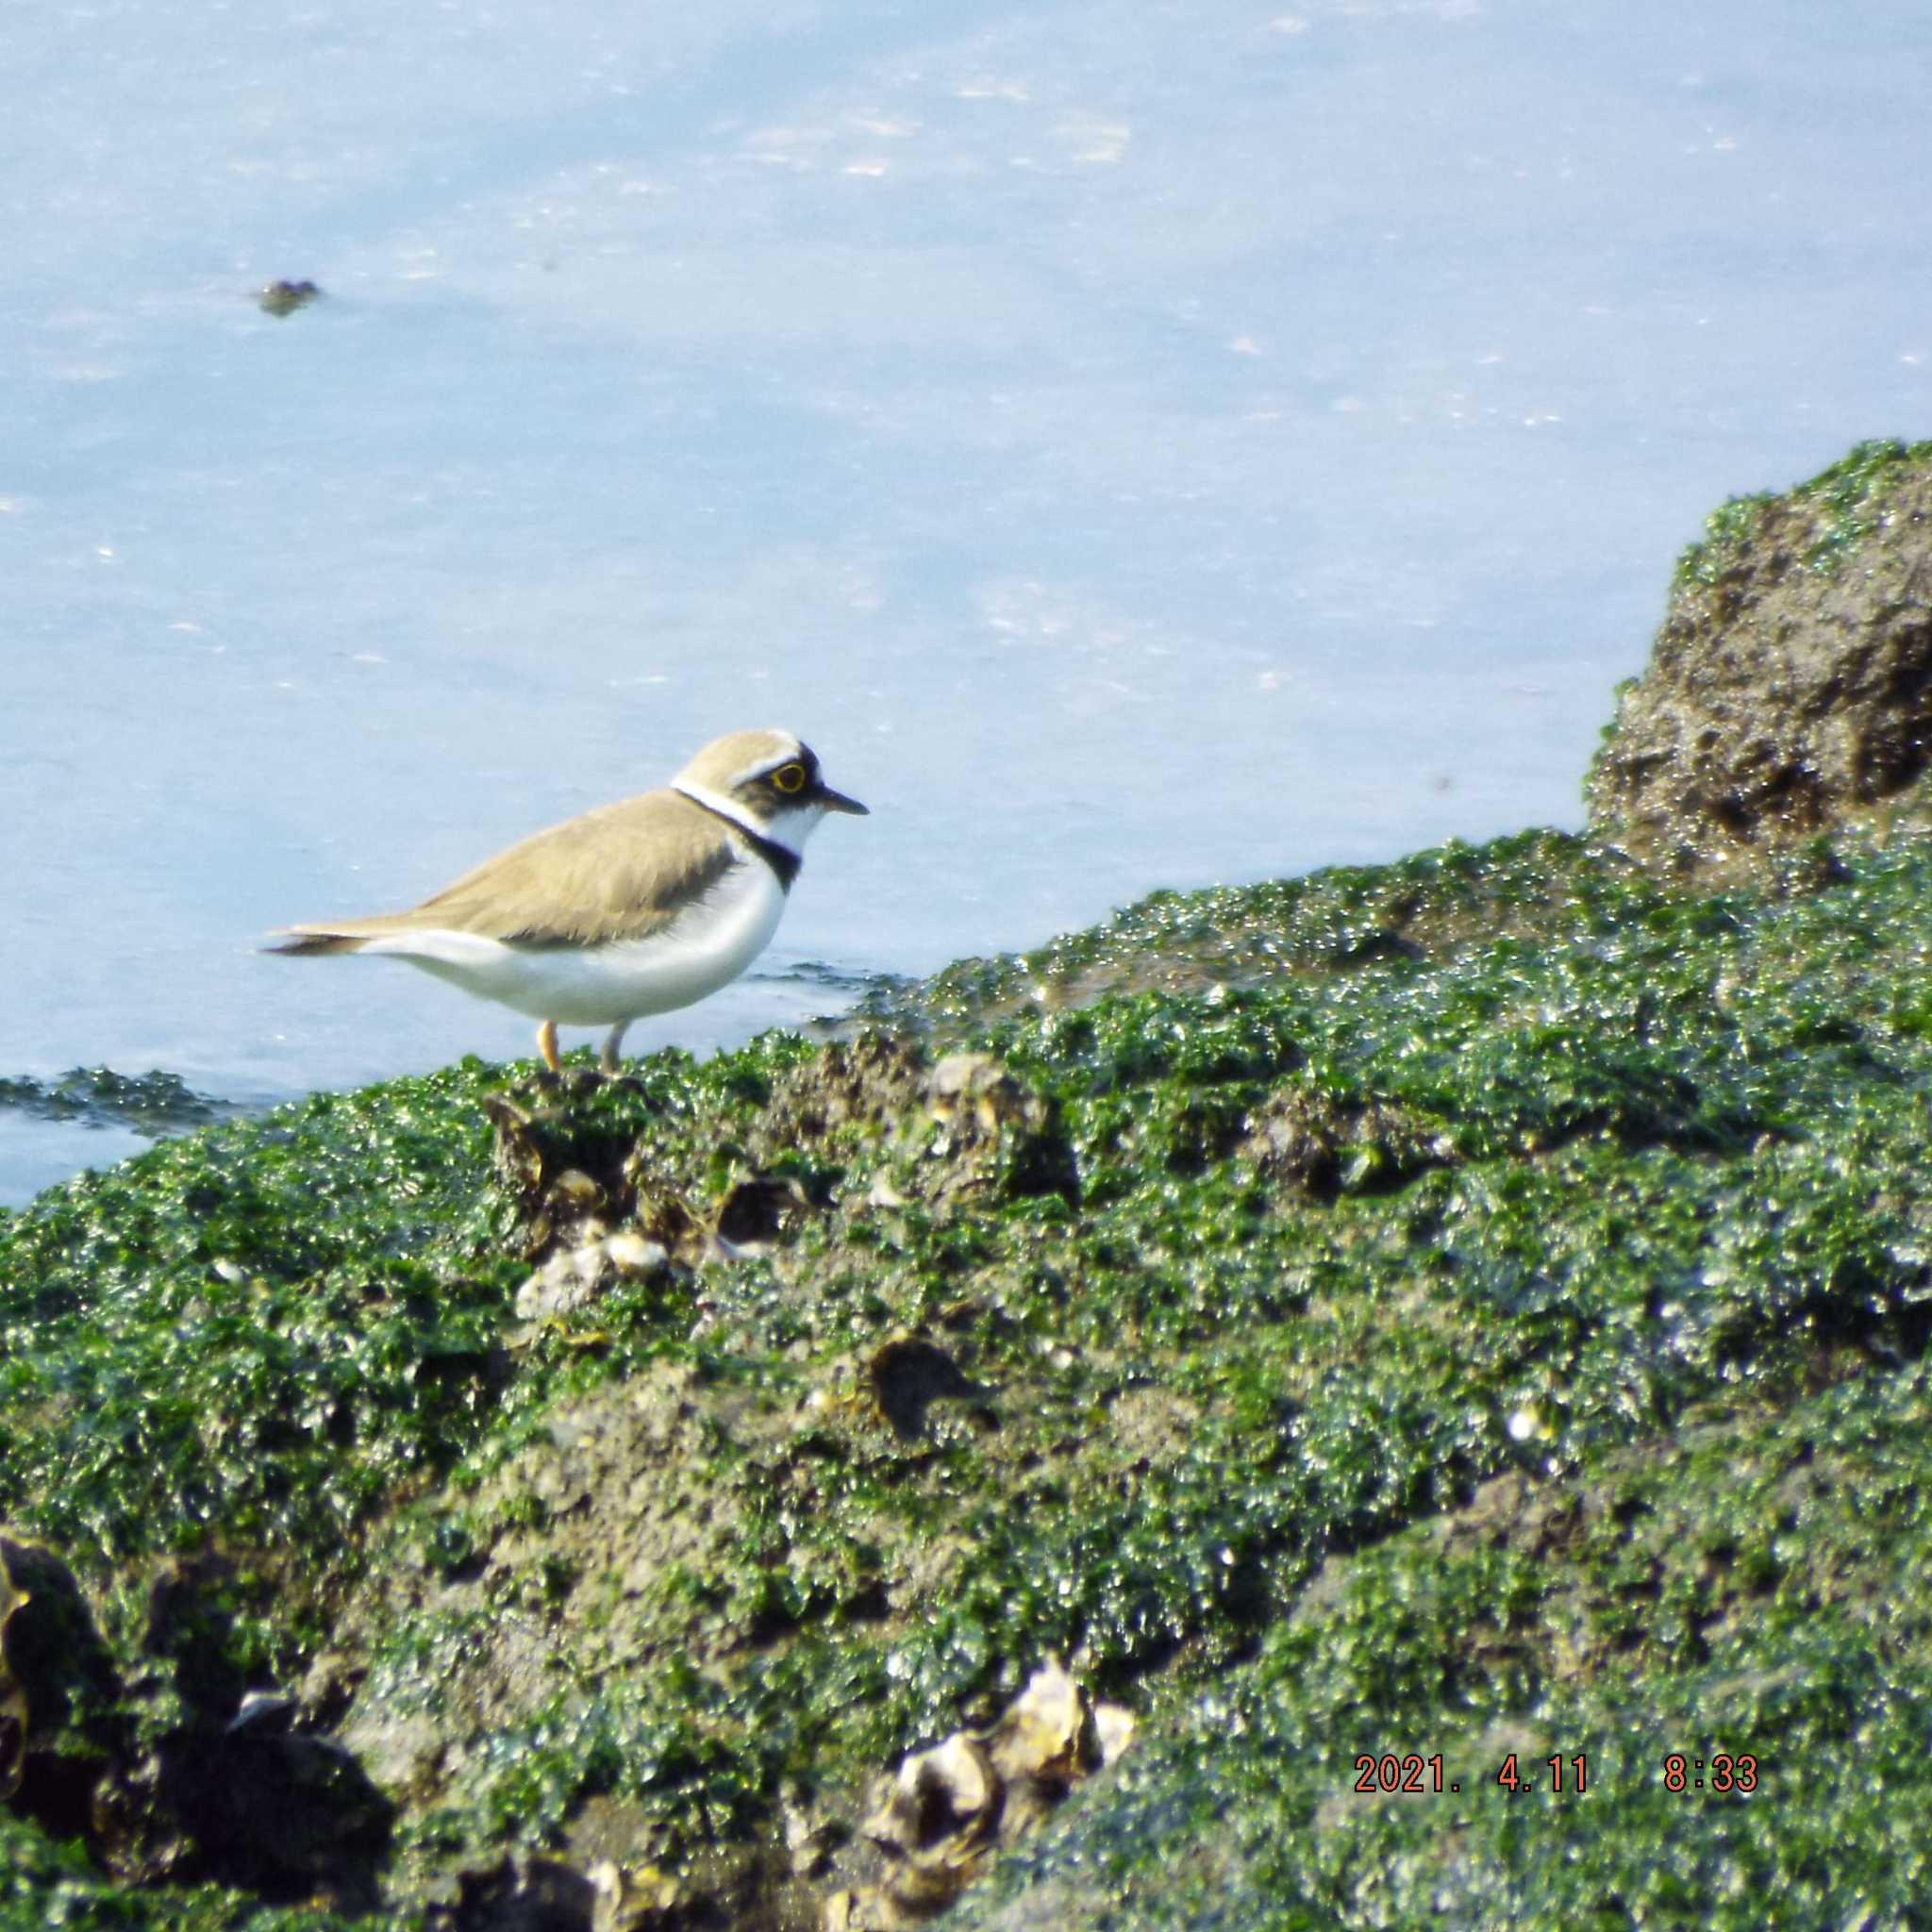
<point>1790,689</point>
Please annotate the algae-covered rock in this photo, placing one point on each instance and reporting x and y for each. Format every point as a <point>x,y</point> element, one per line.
<point>56,1681</point>
<point>1310,1140</point>
<point>153,1104</point>
<point>1790,689</point>
<point>175,1769</point>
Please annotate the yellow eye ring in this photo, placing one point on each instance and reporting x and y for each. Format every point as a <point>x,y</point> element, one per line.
<point>788,778</point>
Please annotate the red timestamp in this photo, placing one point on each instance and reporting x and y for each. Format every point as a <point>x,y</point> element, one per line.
<point>1566,1775</point>
<point>1389,1773</point>
<point>1722,1770</point>
<point>1413,1772</point>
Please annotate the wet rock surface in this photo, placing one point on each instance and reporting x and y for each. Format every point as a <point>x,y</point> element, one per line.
<point>1320,1147</point>
<point>177,1772</point>
<point>1790,689</point>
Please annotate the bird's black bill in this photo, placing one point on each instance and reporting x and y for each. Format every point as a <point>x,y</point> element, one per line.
<point>837,801</point>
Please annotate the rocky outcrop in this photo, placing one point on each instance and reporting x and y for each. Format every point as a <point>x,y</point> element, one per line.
<point>1790,689</point>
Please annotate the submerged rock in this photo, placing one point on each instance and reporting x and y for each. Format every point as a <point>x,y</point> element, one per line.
<point>284,297</point>
<point>155,1104</point>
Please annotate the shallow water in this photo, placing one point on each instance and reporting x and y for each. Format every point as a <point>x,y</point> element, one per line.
<point>1136,445</point>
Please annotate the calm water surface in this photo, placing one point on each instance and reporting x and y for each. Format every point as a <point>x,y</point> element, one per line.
<point>1137,444</point>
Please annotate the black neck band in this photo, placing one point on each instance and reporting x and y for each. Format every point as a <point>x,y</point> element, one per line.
<point>781,859</point>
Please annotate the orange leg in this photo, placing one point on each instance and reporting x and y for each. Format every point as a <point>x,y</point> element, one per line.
<point>546,1046</point>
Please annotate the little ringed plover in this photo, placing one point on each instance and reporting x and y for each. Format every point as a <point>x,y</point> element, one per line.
<point>636,908</point>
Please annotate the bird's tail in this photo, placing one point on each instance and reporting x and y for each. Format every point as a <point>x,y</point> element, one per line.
<point>311,942</point>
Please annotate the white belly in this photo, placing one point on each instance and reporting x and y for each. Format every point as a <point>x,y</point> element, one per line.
<point>624,979</point>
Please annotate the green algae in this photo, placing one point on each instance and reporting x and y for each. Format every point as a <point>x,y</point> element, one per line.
<point>1625,1236</point>
<point>254,1333</point>
<point>1605,1175</point>
<point>1754,1588</point>
<point>1424,907</point>
<point>1841,505</point>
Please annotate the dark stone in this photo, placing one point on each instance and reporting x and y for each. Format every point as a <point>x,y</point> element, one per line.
<point>282,298</point>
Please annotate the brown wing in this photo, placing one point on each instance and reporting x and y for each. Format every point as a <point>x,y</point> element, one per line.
<point>623,871</point>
